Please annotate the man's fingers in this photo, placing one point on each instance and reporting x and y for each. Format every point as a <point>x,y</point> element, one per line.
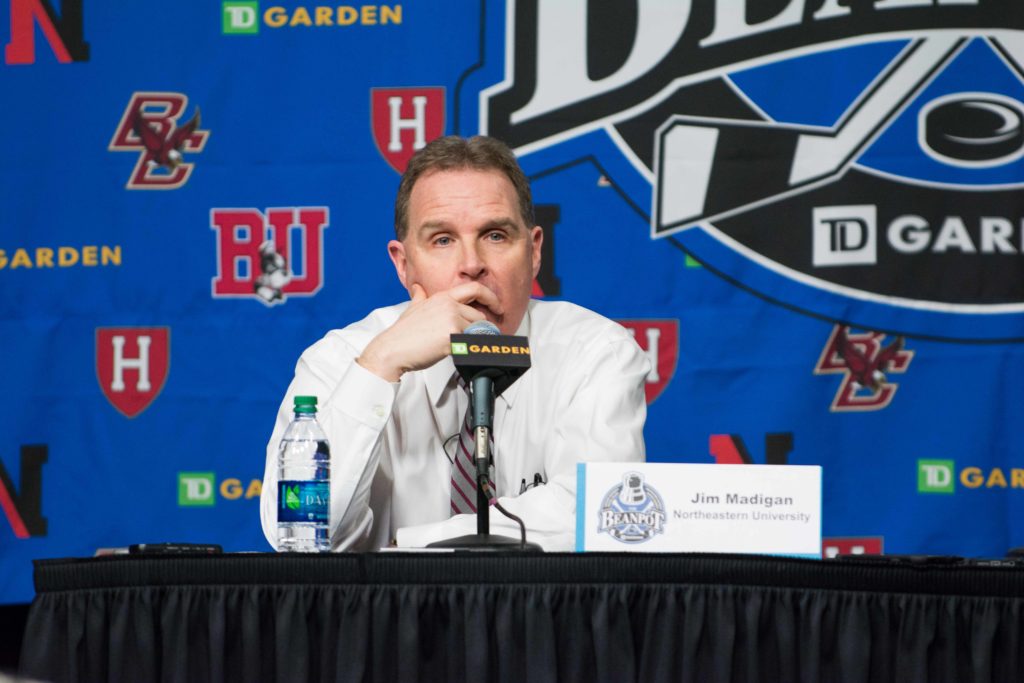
<point>417,293</point>
<point>470,315</point>
<point>475,292</point>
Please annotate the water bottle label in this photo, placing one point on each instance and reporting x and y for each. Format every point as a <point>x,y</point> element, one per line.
<point>303,501</point>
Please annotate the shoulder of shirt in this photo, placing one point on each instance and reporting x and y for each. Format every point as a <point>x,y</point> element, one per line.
<point>354,338</point>
<point>571,323</point>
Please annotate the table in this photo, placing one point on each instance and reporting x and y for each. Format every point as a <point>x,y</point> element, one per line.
<point>513,618</point>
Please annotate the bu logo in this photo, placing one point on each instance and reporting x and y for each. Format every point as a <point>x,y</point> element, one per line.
<point>256,255</point>
<point>405,120</point>
<point>63,33</point>
<point>150,127</point>
<point>132,365</point>
<point>865,366</point>
<point>660,341</point>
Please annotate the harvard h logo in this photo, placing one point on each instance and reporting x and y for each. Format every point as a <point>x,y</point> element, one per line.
<point>659,339</point>
<point>63,32</point>
<point>132,365</point>
<point>404,120</point>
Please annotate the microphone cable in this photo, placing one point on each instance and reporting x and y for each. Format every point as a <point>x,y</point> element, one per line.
<point>494,500</point>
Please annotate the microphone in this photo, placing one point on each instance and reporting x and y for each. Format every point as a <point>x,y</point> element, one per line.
<point>489,362</point>
<point>481,398</point>
<point>481,348</point>
<point>482,327</point>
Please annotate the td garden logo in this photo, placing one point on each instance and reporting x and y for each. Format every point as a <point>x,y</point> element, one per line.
<point>244,17</point>
<point>942,476</point>
<point>841,158</point>
<point>461,348</point>
<point>200,489</point>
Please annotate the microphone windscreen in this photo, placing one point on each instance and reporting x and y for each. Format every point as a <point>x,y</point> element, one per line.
<point>481,327</point>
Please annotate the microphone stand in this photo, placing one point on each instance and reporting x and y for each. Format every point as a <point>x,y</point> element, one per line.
<point>483,460</point>
<point>483,539</point>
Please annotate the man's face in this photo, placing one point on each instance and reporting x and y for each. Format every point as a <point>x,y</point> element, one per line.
<point>464,226</point>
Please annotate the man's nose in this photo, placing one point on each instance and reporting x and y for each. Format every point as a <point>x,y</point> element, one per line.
<point>472,264</point>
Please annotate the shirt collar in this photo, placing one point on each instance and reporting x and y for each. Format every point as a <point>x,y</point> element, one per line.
<point>439,376</point>
<point>509,395</point>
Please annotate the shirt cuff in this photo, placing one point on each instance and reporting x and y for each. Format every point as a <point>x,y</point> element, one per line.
<point>364,396</point>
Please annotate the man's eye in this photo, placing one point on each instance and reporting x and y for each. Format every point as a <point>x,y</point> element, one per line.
<point>443,241</point>
<point>495,236</point>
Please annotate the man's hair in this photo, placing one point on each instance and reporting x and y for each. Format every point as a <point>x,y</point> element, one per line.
<point>454,153</point>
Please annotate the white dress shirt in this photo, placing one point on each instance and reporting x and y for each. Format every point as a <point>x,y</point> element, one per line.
<point>582,400</point>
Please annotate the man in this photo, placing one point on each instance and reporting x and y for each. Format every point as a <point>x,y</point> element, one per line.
<point>390,401</point>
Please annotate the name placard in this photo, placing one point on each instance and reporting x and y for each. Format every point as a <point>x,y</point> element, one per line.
<point>680,507</point>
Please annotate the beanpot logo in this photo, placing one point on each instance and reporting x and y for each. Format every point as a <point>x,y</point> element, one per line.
<point>825,157</point>
<point>633,511</point>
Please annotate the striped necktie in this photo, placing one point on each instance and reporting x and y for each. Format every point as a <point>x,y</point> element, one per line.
<point>464,464</point>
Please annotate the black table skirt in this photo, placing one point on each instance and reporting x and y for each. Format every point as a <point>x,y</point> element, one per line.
<point>554,617</point>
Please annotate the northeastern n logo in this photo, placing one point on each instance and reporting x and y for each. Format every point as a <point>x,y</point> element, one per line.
<point>866,362</point>
<point>63,31</point>
<point>404,120</point>
<point>132,365</point>
<point>153,125</point>
<point>23,505</point>
<point>269,256</point>
<point>731,449</point>
<point>822,154</point>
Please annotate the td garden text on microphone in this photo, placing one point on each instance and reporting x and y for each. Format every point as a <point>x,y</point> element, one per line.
<point>504,357</point>
<point>461,348</point>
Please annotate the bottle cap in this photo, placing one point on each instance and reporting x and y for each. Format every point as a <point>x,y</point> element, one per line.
<point>305,404</point>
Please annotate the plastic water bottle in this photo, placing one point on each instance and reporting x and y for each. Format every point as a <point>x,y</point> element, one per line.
<point>304,483</point>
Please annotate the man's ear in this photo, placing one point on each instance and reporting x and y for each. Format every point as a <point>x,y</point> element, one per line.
<point>396,250</point>
<point>536,242</point>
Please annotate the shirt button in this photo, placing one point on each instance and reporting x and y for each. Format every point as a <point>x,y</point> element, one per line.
<point>378,410</point>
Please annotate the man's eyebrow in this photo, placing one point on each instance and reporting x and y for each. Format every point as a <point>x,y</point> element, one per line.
<point>507,223</point>
<point>493,224</point>
<point>434,225</point>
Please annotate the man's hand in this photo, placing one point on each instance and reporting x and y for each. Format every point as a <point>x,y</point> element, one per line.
<point>421,336</point>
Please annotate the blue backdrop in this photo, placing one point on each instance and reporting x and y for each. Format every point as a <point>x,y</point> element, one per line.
<point>809,214</point>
